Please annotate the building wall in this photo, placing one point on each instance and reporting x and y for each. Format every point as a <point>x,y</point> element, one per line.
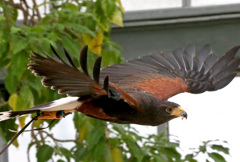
<point>150,31</point>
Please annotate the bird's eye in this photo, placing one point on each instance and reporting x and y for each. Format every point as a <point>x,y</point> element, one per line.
<point>169,110</point>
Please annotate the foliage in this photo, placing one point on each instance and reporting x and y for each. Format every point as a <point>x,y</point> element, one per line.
<point>211,149</point>
<point>65,26</point>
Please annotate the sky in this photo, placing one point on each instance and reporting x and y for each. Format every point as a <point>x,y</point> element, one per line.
<point>211,115</point>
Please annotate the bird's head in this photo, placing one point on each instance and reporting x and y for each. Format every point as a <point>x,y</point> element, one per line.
<point>166,111</point>
<point>176,112</point>
<point>172,110</point>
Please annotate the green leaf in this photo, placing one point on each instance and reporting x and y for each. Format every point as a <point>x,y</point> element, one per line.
<point>203,148</point>
<point>11,82</point>
<point>190,158</point>
<point>100,13</point>
<point>4,62</point>
<point>101,152</point>
<point>94,136</point>
<point>216,157</point>
<point>109,6</point>
<point>134,148</point>
<point>170,152</point>
<point>118,18</point>
<point>94,44</point>
<point>66,153</point>
<point>111,55</point>
<point>6,125</point>
<point>18,64</point>
<point>3,47</point>
<point>81,153</point>
<point>13,101</point>
<point>15,71</point>
<point>81,29</point>
<point>58,26</point>
<point>120,5</point>
<point>107,153</point>
<point>117,155</point>
<point>71,46</point>
<point>19,43</point>
<point>36,84</point>
<point>220,148</point>
<point>60,160</point>
<point>70,6</point>
<point>25,100</point>
<point>15,30</point>
<point>44,153</point>
<point>90,22</point>
<point>159,158</point>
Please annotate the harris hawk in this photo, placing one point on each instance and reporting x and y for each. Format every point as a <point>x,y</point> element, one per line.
<point>135,91</point>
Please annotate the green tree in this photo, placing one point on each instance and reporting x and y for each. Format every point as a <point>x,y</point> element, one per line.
<point>71,24</point>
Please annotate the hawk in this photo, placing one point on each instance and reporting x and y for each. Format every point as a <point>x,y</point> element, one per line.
<point>135,91</point>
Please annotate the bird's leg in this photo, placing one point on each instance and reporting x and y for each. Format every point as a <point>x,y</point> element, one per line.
<point>55,114</point>
<point>61,113</point>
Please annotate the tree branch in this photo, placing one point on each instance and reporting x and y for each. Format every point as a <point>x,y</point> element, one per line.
<point>58,140</point>
<point>37,10</point>
<point>73,32</point>
<point>20,7</point>
<point>35,137</point>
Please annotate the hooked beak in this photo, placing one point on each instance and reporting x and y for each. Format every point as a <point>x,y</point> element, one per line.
<point>177,112</point>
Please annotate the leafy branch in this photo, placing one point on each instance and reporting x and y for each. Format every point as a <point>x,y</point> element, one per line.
<point>58,140</point>
<point>28,19</point>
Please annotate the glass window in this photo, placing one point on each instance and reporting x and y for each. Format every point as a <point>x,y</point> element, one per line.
<point>196,3</point>
<point>133,5</point>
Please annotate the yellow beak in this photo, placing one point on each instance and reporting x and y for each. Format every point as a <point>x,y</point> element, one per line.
<point>179,112</point>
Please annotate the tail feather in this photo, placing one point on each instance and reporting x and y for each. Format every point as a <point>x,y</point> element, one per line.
<point>13,114</point>
<point>5,115</point>
<point>67,103</point>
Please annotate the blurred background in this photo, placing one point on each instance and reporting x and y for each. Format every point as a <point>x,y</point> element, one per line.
<point>118,30</point>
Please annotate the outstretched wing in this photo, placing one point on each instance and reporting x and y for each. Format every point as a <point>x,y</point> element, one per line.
<point>68,79</point>
<point>65,77</point>
<point>168,73</point>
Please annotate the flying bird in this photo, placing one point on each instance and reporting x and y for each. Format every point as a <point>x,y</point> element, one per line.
<point>135,91</point>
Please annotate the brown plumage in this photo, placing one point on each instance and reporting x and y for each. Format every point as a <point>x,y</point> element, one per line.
<point>132,92</point>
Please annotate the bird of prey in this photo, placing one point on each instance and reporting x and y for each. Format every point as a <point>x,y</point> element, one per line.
<point>135,91</point>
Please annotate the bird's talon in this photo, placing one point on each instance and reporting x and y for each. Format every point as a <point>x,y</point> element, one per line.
<point>61,113</point>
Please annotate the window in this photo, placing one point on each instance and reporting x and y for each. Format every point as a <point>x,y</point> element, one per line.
<point>136,5</point>
<point>133,5</point>
<point>196,3</point>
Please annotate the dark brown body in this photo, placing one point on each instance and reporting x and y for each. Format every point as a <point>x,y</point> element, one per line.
<point>120,111</point>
